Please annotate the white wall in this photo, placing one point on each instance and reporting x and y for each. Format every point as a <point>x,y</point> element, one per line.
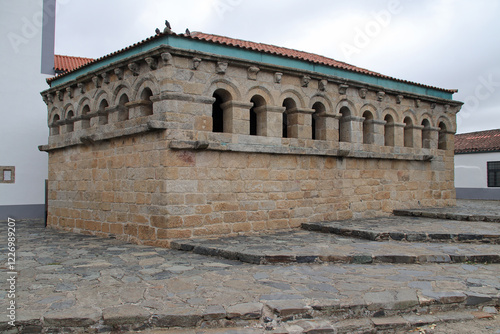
<point>23,114</point>
<point>471,169</point>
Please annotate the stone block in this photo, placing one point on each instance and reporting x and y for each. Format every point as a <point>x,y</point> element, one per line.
<point>245,311</point>
<point>125,315</point>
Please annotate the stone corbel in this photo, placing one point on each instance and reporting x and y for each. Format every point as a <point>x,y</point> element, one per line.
<point>60,95</point>
<point>221,67</point>
<point>69,90</point>
<point>134,67</point>
<point>343,89</point>
<point>96,81</point>
<point>152,63</point>
<point>305,81</point>
<point>433,105</point>
<point>322,85</point>
<point>81,87</point>
<point>446,108</point>
<point>417,103</point>
<point>277,77</point>
<point>50,98</point>
<point>119,73</point>
<point>380,95</point>
<point>399,99</point>
<point>45,99</point>
<point>362,93</point>
<point>105,77</point>
<point>196,63</point>
<point>167,58</point>
<point>252,72</point>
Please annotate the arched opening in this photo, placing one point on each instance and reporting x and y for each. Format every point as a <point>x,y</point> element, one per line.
<point>368,128</point>
<point>255,121</point>
<point>70,126</point>
<point>318,125</point>
<point>426,134</point>
<point>122,109</point>
<point>389,130</point>
<point>103,115</point>
<point>345,125</point>
<point>147,108</point>
<point>85,118</point>
<point>221,96</point>
<point>54,129</point>
<point>442,145</point>
<point>408,132</point>
<point>289,105</point>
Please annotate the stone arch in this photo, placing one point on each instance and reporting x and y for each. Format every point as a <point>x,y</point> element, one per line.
<point>346,110</point>
<point>53,112</point>
<point>149,82</point>
<point>372,109</point>
<point>263,92</point>
<point>447,122</point>
<point>102,112</point>
<point>368,127</point>
<point>428,117</point>
<point>445,128</point>
<point>54,127</point>
<point>69,116</point>
<point>101,95</point>
<point>294,95</point>
<point>67,108</point>
<point>226,85</point>
<point>318,122</point>
<point>290,104</point>
<point>81,104</point>
<point>408,130</point>
<point>221,110</point>
<point>426,132</point>
<point>393,113</point>
<point>256,119</point>
<point>118,93</point>
<point>389,129</point>
<point>122,101</point>
<point>327,103</point>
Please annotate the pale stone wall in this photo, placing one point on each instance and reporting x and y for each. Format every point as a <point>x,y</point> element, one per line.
<point>132,152</point>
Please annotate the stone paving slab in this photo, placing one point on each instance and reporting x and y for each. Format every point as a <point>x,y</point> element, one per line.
<point>470,210</point>
<point>299,246</point>
<point>411,229</point>
<point>66,280</point>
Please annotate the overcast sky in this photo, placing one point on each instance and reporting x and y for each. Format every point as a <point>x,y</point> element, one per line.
<point>443,43</point>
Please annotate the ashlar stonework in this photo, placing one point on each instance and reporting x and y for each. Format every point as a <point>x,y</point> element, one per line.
<point>180,136</point>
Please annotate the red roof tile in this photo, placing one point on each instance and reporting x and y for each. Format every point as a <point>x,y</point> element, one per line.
<point>64,64</point>
<point>260,47</point>
<point>478,142</point>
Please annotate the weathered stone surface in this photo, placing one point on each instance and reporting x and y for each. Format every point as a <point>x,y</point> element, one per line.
<point>286,308</point>
<point>245,311</point>
<point>125,314</point>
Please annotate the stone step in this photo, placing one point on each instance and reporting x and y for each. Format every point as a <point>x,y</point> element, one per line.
<point>377,311</point>
<point>411,229</point>
<point>300,246</point>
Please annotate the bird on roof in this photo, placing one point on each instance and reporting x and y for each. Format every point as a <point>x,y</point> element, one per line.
<point>168,28</point>
<point>157,31</point>
<point>188,33</point>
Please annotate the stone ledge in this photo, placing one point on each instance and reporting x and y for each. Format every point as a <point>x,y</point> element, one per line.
<point>151,125</point>
<point>275,149</point>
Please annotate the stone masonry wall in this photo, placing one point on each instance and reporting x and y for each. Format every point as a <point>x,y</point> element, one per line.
<point>132,151</point>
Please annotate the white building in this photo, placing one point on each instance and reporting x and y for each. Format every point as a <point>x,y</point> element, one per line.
<point>23,168</point>
<point>477,165</point>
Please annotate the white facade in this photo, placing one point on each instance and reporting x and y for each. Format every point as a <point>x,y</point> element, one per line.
<point>23,113</point>
<point>471,175</point>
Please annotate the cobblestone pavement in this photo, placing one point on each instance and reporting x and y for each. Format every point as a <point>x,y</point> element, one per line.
<point>67,280</point>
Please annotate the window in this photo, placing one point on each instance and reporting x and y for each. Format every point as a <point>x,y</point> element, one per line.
<point>219,115</point>
<point>344,125</point>
<point>147,108</point>
<point>288,121</point>
<point>7,174</point>
<point>70,127</point>
<point>256,121</point>
<point>426,134</point>
<point>318,122</point>
<point>493,173</point>
<point>442,145</point>
<point>103,115</point>
<point>368,130</point>
<point>85,118</point>
<point>389,131</point>
<point>122,109</point>
<point>408,132</point>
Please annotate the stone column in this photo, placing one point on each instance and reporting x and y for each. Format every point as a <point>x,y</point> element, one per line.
<point>300,123</point>
<point>433,137</point>
<point>269,121</point>
<point>140,108</point>
<point>327,126</point>
<point>417,136</point>
<point>237,117</point>
<point>399,133</point>
<point>378,132</point>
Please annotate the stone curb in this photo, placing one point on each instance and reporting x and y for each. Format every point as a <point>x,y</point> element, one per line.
<point>334,228</point>
<point>447,215</point>
<point>295,317</point>
<point>361,258</point>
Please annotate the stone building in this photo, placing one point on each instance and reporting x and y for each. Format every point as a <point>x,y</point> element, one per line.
<point>182,136</point>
